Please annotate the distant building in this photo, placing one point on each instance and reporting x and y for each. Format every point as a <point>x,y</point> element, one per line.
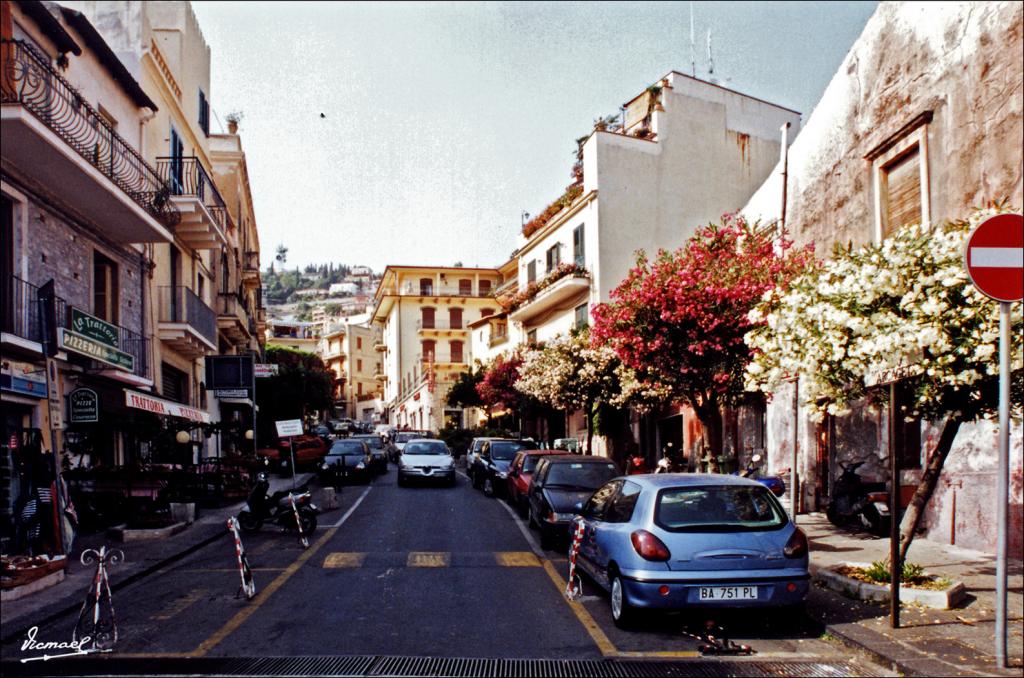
<point>304,336</point>
<point>342,288</point>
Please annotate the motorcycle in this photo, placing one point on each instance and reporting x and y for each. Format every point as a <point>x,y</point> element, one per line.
<point>775,484</point>
<point>853,500</point>
<point>277,508</point>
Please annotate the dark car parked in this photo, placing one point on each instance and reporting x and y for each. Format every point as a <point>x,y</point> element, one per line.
<point>560,484</point>
<point>490,470</point>
<point>377,451</point>
<point>347,461</point>
<point>520,476</point>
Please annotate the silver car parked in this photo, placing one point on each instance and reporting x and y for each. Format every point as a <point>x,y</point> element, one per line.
<point>426,459</point>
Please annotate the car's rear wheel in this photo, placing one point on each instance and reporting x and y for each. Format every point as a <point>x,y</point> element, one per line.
<point>623,614</point>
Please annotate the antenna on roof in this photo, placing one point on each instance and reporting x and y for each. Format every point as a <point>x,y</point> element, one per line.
<point>711,61</point>
<point>693,49</point>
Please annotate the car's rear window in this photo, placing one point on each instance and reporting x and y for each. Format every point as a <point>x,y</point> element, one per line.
<point>580,475</point>
<point>718,509</point>
<point>426,447</point>
<point>506,450</point>
<point>347,447</point>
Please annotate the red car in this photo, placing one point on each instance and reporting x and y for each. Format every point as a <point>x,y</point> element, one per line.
<point>309,451</point>
<point>520,475</point>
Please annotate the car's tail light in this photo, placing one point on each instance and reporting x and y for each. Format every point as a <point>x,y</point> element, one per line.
<point>796,547</point>
<point>648,546</point>
<point>879,496</point>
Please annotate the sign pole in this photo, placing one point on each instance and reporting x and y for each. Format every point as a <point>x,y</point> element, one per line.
<point>291,446</point>
<point>895,566</point>
<point>1002,495</point>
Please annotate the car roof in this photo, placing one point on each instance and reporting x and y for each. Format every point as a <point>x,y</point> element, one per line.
<point>547,453</point>
<point>663,480</point>
<point>576,458</point>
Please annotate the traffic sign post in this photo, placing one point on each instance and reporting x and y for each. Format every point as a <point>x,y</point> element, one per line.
<point>289,428</point>
<point>994,257</point>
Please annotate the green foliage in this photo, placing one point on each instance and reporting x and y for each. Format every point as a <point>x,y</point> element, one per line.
<point>281,285</point>
<point>880,572</point>
<point>303,385</point>
<point>463,391</point>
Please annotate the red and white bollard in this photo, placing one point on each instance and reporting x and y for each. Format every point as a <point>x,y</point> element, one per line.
<point>298,522</point>
<point>574,587</point>
<point>248,586</point>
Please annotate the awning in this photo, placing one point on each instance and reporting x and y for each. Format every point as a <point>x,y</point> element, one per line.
<point>236,401</point>
<point>144,401</point>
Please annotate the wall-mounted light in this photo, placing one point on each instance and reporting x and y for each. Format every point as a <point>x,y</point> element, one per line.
<point>249,434</point>
<point>182,437</point>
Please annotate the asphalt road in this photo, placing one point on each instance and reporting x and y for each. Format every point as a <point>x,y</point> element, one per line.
<point>415,571</point>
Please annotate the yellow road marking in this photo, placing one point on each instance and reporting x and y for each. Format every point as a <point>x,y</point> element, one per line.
<point>516,559</point>
<point>232,569</point>
<point>261,597</point>
<point>181,604</point>
<point>596,633</point>
<point>344,560</point>
<point>428,559</point>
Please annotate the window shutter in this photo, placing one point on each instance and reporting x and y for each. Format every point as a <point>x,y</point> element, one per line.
<point>903,182</point>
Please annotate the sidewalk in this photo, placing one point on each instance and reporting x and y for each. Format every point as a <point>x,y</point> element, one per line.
<point>956,642</point>
<point>141,558</point>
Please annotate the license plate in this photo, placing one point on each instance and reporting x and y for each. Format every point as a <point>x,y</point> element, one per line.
<point>728,593</point>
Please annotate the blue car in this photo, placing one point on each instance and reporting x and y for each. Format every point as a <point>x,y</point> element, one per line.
<point>680,541</point>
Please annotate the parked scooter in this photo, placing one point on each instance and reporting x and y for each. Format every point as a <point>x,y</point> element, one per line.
<point>276,508</point>
<point>854,501</point>
<point>775,484</point>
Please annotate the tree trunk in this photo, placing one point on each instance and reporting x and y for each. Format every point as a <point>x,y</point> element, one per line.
<point>929,479</point>
<point>710,417</point>
<point>590,426</point>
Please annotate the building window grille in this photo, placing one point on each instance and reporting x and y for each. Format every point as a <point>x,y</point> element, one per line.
<point>901,179</point>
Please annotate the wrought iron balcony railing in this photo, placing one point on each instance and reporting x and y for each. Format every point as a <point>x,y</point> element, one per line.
<point>28,79</point>
<point>19,314</point>
<point>181,305</point>
<point>186,176</point>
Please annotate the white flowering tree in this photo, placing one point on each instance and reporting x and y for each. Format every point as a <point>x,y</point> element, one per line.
<point>905,305</point>
<point>571,373</point>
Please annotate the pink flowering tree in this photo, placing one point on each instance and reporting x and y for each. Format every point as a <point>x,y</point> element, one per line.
<point>679,321</point>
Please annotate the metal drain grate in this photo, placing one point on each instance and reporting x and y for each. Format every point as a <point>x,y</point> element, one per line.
<point>431,667</point>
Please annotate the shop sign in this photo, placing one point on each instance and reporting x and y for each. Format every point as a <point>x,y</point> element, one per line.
<point>264,370</point>
<point>289,427</point>
<point>53,388</point>
<point>168,408</point>
<point>232,393</point>
<point>94,328</point>
<point>83,406</point>
<point>23,379</point>
<point>97,350</point>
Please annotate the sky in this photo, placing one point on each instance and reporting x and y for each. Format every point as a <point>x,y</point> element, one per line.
<point>442,122</point>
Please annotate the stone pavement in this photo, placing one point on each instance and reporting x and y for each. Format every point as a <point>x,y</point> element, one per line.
<point>956,642</point>
<point>141,558</point>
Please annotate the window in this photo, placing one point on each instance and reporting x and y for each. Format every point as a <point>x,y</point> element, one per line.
<point>204,113</point>
<point>578,246</point>
<point>552,258</point>
<point>175,383</point>
<point>456,349</point>
<point>582,318</point>
<point>427,347</point>
<point>104,288</point>
<point>465,288</point>
<point>427,318</point>
<point>177,165</point>
<point>359,365</point>
<point>531,337</point>
<point>622,507</point>
<point>455,318</point>
<point>900,176</point>
<point>484,312</point>
<point>597,506</point>
<point>359,388</point>
<point>426,287</point>
<point>531,272</point>
<point>359,343</point>
<point>485,287</point>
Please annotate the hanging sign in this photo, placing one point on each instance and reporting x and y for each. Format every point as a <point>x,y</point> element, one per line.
<point>264,370</point>
<point>97,350</point>
<point>83,406</point>
<point>289,427</point>
<point>23,378</point>
<point>92,327</point>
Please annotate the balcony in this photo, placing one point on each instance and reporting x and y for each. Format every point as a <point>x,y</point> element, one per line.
<point>204,215</point>
<point>186,324</point>
<point>564,287</point>
<point>414,290</point>
<point>498,336</point>
<point>19,315</point>
<point>442,359</point>
<point>55,138</point>
<point>251,269</point>
<point>429,326</point>
<point>380,347</point>
<point>233,319</point>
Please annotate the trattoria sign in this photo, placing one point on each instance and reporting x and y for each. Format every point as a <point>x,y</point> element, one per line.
<point>83,406</point>
<point>98,330</point>
<point>168,408</point>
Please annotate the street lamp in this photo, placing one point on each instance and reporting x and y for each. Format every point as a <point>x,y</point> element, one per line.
<point>249,434</point>
<point>183,437</point>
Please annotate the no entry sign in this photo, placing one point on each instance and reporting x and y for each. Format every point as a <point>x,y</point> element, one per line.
<point>995,257</point>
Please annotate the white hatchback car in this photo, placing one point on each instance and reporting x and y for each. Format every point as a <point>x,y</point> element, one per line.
<point>426,459</point>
